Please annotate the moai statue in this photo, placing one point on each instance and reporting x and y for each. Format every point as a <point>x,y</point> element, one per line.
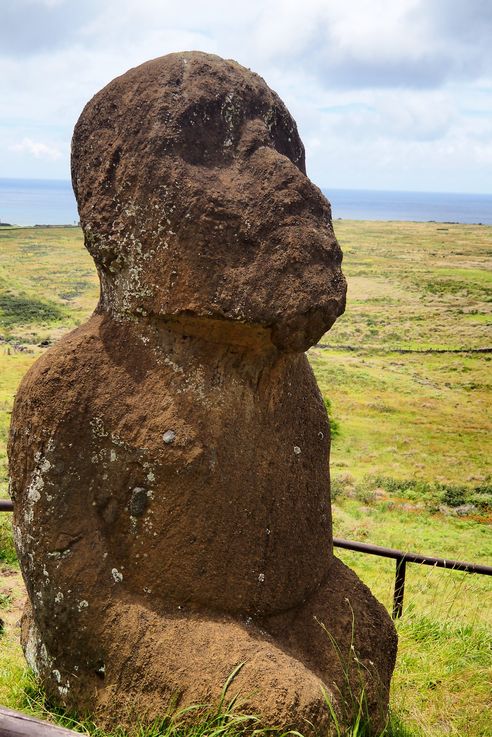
<point>169,458</point>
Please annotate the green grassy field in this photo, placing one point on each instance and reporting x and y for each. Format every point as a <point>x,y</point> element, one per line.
<point>408,381</point>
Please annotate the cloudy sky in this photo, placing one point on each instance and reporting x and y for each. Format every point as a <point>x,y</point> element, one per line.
<point>387,94</point>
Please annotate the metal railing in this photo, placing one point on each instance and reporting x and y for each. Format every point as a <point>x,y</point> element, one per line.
<point>401,557</point>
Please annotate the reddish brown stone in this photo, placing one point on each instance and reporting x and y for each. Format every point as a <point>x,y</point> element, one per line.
<point>169,458</point>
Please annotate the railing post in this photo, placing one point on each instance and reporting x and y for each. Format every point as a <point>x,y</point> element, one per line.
<point>401,567</point>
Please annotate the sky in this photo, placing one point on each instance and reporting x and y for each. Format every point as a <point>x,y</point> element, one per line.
<point>387,94</point>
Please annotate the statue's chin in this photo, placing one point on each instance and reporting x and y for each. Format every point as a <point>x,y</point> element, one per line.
<point>298,333</point>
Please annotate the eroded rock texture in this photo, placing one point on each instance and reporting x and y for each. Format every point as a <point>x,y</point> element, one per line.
<point>169,458</point>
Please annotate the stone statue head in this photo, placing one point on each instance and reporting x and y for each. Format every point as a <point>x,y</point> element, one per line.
<point>190,179</point>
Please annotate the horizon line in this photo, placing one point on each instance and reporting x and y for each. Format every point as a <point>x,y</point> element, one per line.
<point>323,187</point>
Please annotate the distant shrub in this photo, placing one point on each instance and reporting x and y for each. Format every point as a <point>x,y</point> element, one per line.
<point>7,549</point>
<point>334,424</point>
<point>381,407</point>
<point>341,485</point>
<point>76,289</point>
<point>454,496</point>
<point>364,491</point>
<point>23,310</point>
<point>336,488</point>
<point>446,286</point>
<point>433,494</point>
<point>485,488</point>
<point>416,487</point>
<point>483,502</point>
<point>5,600</point>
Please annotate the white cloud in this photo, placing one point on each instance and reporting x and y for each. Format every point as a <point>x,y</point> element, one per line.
<point>392,92</point>
<point>37,149</point>
<point>378,43</point>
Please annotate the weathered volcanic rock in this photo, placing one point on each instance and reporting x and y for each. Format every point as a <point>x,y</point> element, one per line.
<point>169,458</point>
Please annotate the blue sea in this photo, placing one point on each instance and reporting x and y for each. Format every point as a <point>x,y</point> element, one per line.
<point>51,202</point>
<point>37,202</point>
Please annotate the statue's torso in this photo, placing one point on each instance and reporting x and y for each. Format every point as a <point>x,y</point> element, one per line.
<point>187,483</point>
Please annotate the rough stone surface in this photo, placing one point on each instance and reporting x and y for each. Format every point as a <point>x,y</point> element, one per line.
<point>169,458</point>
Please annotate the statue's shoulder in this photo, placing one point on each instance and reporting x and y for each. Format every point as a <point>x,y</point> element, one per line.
<point>63,364</point>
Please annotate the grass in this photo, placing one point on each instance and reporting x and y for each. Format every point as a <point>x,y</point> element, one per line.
<point>47,283</point>
<point>411,283</point>
<point>411,446</point>
<point>224,719</point>
<point>444,659</point>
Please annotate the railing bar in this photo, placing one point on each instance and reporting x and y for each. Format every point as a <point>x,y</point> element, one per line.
<point>457,565</point>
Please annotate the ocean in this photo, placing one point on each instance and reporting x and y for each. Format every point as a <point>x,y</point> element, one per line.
<point>51,202</point>
<point>37,202</point>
